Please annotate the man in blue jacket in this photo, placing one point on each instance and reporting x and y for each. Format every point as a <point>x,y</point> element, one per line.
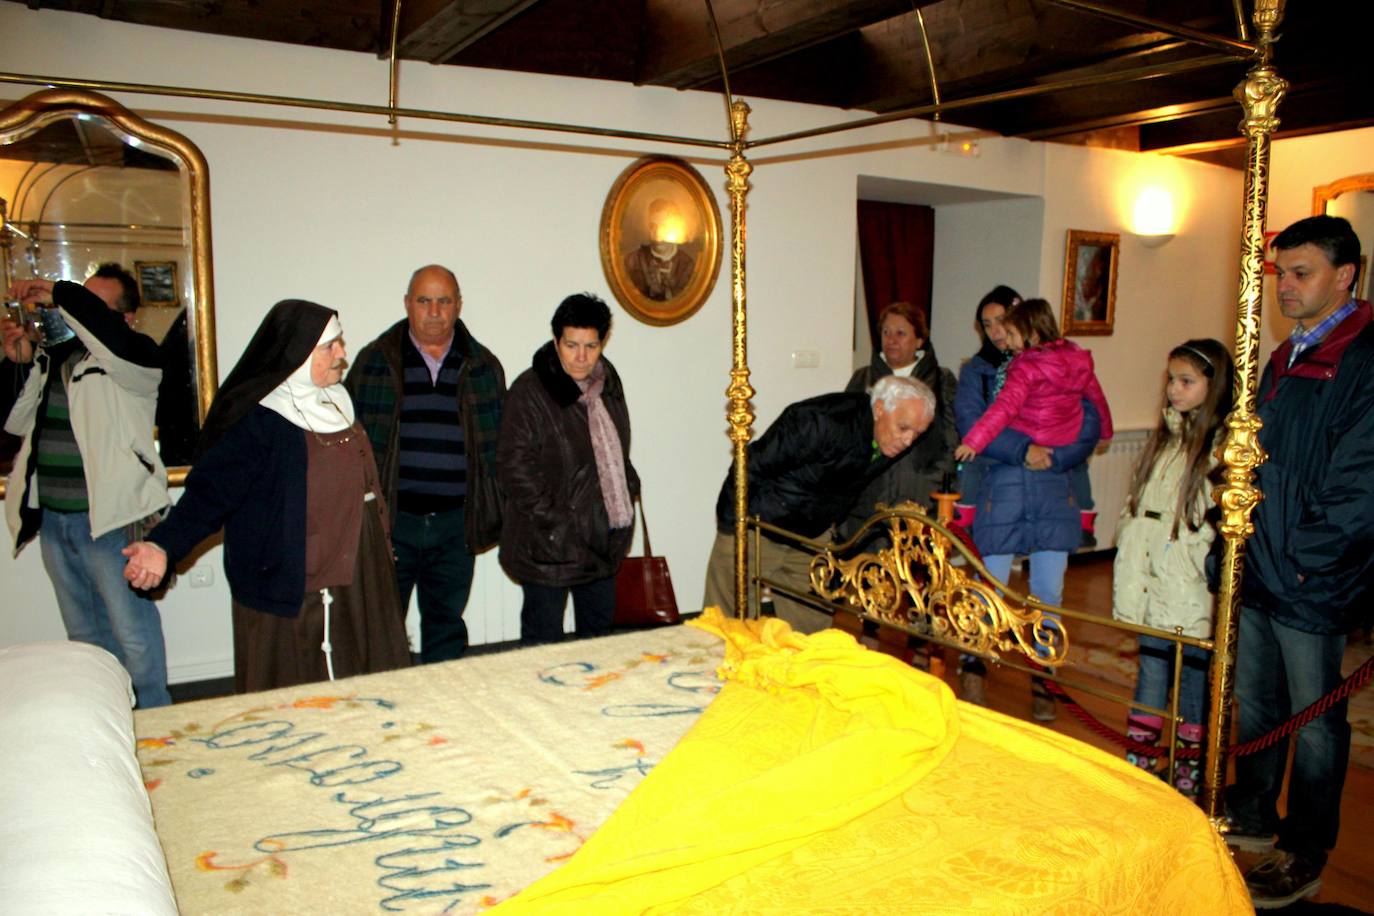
<point>1310,566</point>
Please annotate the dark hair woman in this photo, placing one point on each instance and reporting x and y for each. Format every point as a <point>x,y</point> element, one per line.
<point>564,463</point>
<point>906,351</point>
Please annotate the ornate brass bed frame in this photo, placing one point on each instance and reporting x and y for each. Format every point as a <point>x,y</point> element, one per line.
<point>1259,95</point>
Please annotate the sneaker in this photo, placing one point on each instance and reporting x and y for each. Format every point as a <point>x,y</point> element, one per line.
<point>973,687</point>
<point>1281,878</point>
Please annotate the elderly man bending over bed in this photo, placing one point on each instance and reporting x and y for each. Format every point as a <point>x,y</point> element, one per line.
<point>804,474</point>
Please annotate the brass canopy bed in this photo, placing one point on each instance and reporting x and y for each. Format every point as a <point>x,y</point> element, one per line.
<point>768,769</point>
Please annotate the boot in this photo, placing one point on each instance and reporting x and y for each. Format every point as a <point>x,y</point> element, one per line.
<point>1144,730</point>
<point>1188,772</point>
<point>1042,702</point>
<point>1087,521</point>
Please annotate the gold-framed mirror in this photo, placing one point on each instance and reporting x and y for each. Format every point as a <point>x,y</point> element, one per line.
<point>83,181</point>
<point>1353,198</point>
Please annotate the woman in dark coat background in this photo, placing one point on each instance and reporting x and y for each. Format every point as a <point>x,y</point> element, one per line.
<point>906,351</point>
<point>564,465</point>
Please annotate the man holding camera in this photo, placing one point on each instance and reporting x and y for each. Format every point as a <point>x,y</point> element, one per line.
<point>87,476</point>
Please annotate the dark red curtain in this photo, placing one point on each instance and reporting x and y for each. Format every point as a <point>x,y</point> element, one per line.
<point>897,254</point>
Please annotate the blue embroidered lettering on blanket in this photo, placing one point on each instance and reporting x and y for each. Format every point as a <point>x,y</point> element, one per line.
<point>411,874</point>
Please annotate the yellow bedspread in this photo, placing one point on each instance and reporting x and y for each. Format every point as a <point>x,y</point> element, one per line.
<point>829,778</point>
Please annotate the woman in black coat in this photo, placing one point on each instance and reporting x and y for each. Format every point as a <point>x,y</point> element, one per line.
<point>563,459</point>
<point>907,351</point>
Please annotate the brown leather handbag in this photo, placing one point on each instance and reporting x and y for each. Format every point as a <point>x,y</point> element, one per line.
<point>643,588</point>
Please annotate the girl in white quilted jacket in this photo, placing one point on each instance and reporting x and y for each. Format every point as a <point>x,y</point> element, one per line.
<point>1162,542</point>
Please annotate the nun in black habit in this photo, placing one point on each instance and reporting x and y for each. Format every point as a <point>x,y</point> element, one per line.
<point>283,467</point>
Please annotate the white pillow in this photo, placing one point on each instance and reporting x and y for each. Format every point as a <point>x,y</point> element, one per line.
<point>76,828</point>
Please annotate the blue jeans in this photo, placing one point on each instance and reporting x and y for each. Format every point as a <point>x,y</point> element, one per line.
<point>1154,677</point>
<point>1280,671</point>
<point>541,614</point>
<point>99,607</point>
<point>431,553</point>
<point>1046,574</point>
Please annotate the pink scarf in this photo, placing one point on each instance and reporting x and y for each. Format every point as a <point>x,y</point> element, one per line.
<point>610,460</point>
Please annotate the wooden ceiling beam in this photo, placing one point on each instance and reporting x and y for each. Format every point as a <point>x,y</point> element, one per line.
<point>438,30</point>
<point>985,45</point>
<point>1308,107</point>
<point>679,50</point>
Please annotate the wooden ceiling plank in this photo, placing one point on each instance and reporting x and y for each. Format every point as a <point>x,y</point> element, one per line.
<point>1307,108</point>
<point>984,45</point>
<point>438,30</point>
<point>1136,118</point>
<point>680,52</point>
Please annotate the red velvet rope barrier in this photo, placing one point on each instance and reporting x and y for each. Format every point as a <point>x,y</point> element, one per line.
<point>1358,679</point>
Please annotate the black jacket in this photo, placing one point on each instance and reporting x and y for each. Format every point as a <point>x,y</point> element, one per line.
<point>807,469</point>
<point>921,470</point>
<point>1316,520</point>
<point>251,482</point>
<point>555,530</point>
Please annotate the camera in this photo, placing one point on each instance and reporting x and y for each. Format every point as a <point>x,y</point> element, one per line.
<point>43,325</point>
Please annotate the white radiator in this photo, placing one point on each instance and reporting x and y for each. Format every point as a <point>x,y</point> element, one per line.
<point>1110,473</point>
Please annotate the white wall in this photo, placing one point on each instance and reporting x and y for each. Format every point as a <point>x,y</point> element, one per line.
<point>1164,296</point>
<point>325,206</point>
<point>978,246</point>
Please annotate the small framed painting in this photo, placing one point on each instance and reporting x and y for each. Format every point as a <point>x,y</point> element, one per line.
<point>157,283</point>
<point>660,240</point>
<point>1090,263</point>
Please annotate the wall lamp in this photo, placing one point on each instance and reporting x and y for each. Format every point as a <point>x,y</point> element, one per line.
<point>1153,217</point>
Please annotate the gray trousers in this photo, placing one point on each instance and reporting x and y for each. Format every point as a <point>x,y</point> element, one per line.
<point>779,562</point>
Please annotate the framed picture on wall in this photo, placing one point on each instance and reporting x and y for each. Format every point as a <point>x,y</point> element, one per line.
<point>1269,265</point>
<point>1090,263</point>
<point>157,282</point>
<point>660,240</point>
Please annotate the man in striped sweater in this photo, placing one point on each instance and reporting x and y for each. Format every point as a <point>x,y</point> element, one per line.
<point>429,397</point>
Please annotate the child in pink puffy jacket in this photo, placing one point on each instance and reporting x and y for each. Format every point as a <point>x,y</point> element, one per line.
<point>1045,385</point>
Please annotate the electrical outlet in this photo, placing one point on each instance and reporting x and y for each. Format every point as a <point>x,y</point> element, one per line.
<point>201,576</point>
<point>806,359</point>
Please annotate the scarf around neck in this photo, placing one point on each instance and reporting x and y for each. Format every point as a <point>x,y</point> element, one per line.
<point>610,458</point>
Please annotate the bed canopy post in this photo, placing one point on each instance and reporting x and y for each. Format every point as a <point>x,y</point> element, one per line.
<point>740,411</point>
<point>1259,94</point>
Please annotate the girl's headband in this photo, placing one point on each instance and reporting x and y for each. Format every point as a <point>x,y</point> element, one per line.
<point>1202,356</point>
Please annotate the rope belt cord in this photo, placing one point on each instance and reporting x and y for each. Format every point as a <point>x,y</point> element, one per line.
<point>327,647</point>
<point>1357,679</point>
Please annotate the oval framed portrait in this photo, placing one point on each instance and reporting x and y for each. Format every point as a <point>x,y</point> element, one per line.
<point>660,240</point>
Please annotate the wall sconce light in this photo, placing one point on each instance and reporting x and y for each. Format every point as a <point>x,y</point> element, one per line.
<point>1154,217</point>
